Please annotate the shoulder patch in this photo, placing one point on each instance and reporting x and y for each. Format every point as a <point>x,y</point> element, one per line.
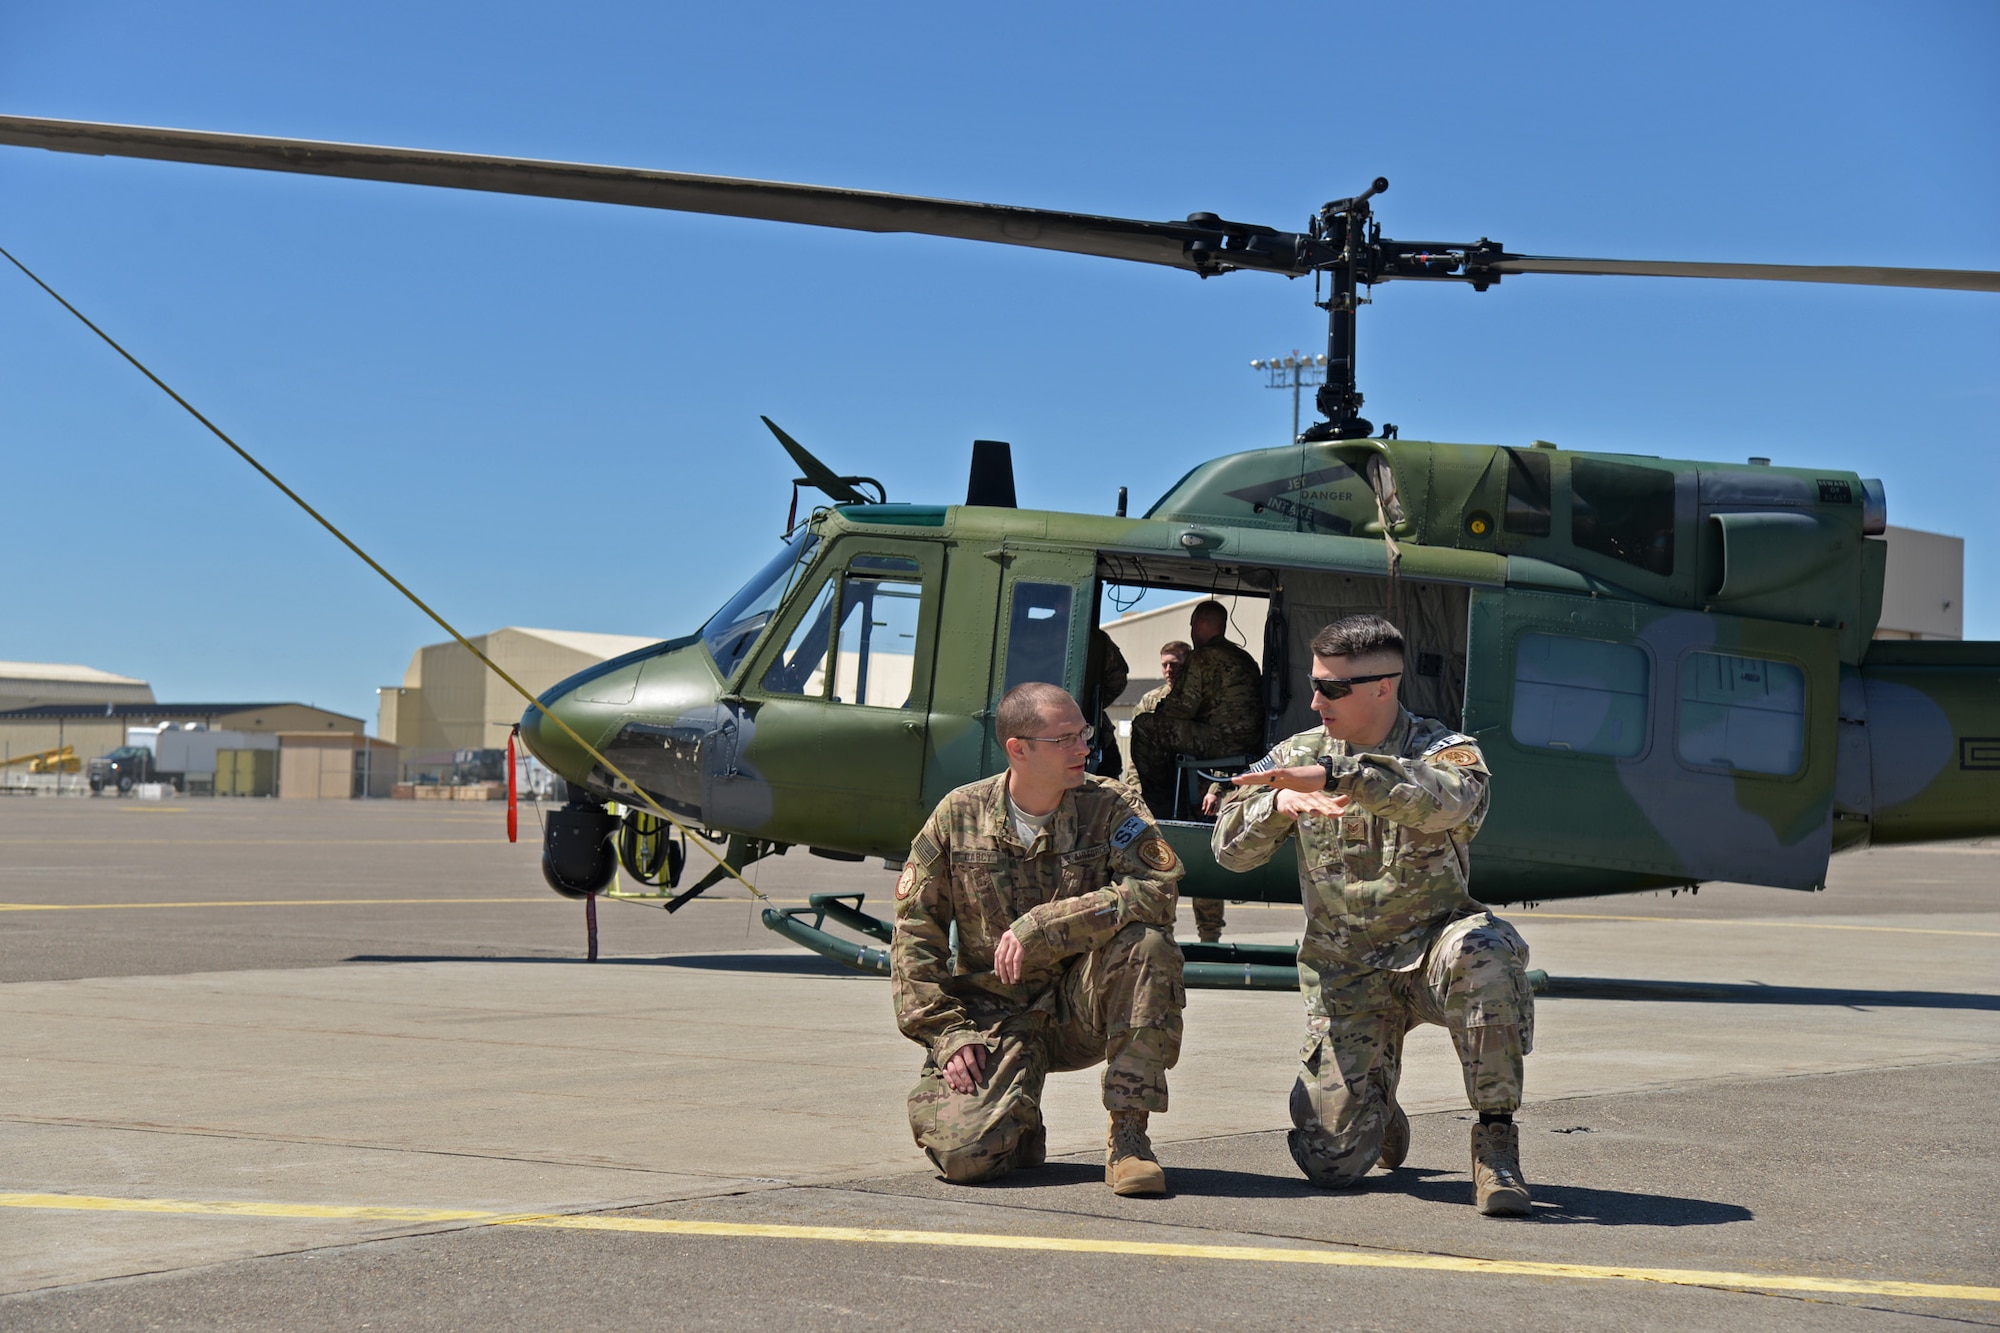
<point>1446,741</point>
<point>1125,832</point>
<point>1458,756</point>
<point>906,881</point>
<point>1155,852</point>
<point>923,850</point>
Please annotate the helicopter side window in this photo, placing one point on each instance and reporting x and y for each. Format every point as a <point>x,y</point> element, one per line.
<point>1527,511</point>
<point>801,668</point>
<point>1743,714</point>
<point>731,632</point>
<point>1038,634</point>
<point>1624,512</point>
<point>1582,695</point>
<point>876,659</point>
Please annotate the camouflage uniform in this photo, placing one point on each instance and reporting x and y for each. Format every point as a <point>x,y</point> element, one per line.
<point>1392,937</point>
<point>1092,903</point>
<point>1216,711</point>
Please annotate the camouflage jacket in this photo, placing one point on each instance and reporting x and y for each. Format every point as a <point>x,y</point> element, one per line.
<point>1379,879</point>
<point>1221,688</point>
<point>1151,699</point>
<point>1097,867</point>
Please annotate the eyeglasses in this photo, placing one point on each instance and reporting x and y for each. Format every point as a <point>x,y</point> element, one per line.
<point>1066,740</point>
<point>1341,687</point>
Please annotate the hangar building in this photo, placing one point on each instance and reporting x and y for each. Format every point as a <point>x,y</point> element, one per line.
<point>449,701</point>
<point>25,684</point>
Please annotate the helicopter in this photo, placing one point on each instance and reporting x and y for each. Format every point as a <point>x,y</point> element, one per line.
<point>1668,663</point>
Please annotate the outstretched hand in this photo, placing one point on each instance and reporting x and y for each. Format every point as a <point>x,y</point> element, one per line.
<point>1306,777</point>
<point>1296,803</point>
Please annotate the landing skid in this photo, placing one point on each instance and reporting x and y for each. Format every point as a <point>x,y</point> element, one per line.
<point>1207,966</point>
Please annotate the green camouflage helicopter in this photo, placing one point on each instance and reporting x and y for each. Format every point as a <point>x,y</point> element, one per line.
<point>1668,663</point>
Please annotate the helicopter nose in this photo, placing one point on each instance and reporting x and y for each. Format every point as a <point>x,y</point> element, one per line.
<point>548,742</point>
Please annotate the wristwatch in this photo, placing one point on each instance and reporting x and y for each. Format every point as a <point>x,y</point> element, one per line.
<point>1326,762</point>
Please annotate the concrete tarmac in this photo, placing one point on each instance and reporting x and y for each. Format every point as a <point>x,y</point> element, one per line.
<point>301,1065</point>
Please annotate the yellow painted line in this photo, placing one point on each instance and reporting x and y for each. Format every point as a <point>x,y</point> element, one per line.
<point>267,902</point>
<point>326,902</point>
<point>262,842</point>
<point>1775,925</point>
<point>1435,1263</point>
<point>1405,1260</point>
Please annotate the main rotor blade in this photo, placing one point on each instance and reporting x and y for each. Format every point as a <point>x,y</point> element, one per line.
<point>1948,279</point>
<point>774,201</point>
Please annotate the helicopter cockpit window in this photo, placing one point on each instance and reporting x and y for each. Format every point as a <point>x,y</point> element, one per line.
<point>1624,512</point>
<point>876,657</point>
<point>801,668</point>
<point>1038,634</point>
<point>732,631</point>
<point>1582,695</point>
<point>1527,511</point>
<point>1744,714</point>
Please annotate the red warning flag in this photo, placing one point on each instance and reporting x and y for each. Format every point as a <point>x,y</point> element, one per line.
<point>513,811</point>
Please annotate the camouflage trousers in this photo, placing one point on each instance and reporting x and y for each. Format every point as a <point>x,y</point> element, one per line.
<point>1157,740</point>
<point>1208,919</point>
<point>1120,1006</point>
<point>1473,982</point>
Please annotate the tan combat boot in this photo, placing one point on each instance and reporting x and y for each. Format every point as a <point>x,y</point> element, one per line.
<point>1497,1186</point>
<point>1129,1164</point>
<point>1395,1139</point>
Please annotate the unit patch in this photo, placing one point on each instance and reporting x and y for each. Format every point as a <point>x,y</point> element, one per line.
<point>906,881</point>
<point>1458,756</point>
<point>1155,853</point>
<point>1130,829</point>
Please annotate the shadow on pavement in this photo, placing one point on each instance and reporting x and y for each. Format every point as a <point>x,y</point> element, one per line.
<point>1577,1205</point>
<point>1182,1181</point>
<point>1725,992</point>
<point>805,965</point>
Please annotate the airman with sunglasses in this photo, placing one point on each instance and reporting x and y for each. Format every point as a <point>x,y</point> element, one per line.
<point>1383,804</point>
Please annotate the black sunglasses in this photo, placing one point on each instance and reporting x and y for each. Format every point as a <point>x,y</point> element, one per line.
<point>1342,687</point>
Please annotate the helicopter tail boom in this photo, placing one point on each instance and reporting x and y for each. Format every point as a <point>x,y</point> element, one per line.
<point>1930,715</point>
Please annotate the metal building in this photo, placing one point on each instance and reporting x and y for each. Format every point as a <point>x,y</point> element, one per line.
<point>449,702</point>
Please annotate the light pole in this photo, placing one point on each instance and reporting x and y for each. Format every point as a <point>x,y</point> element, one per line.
<point>1293,372</point>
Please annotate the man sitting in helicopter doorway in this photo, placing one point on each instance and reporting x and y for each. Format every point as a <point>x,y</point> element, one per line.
<point>1062,892</point>
<point>1383,805</point>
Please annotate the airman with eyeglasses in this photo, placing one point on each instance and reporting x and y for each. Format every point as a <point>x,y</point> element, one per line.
<point>1062,895</point>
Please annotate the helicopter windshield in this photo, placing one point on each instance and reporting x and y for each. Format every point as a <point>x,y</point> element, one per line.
<point>731,631</point>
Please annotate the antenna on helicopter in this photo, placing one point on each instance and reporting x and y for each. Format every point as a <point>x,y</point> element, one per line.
<point>992,480</point>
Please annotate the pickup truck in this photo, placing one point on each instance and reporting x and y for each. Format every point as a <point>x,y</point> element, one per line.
<point>125,766</point>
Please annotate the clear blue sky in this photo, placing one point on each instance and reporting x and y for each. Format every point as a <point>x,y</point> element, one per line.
<point>545,413</point>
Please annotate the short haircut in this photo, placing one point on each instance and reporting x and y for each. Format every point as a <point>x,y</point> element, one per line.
<point>1024,708</point>
<point>1359,636</point>
<point>1178,647</point>
<point>1210,610</point>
